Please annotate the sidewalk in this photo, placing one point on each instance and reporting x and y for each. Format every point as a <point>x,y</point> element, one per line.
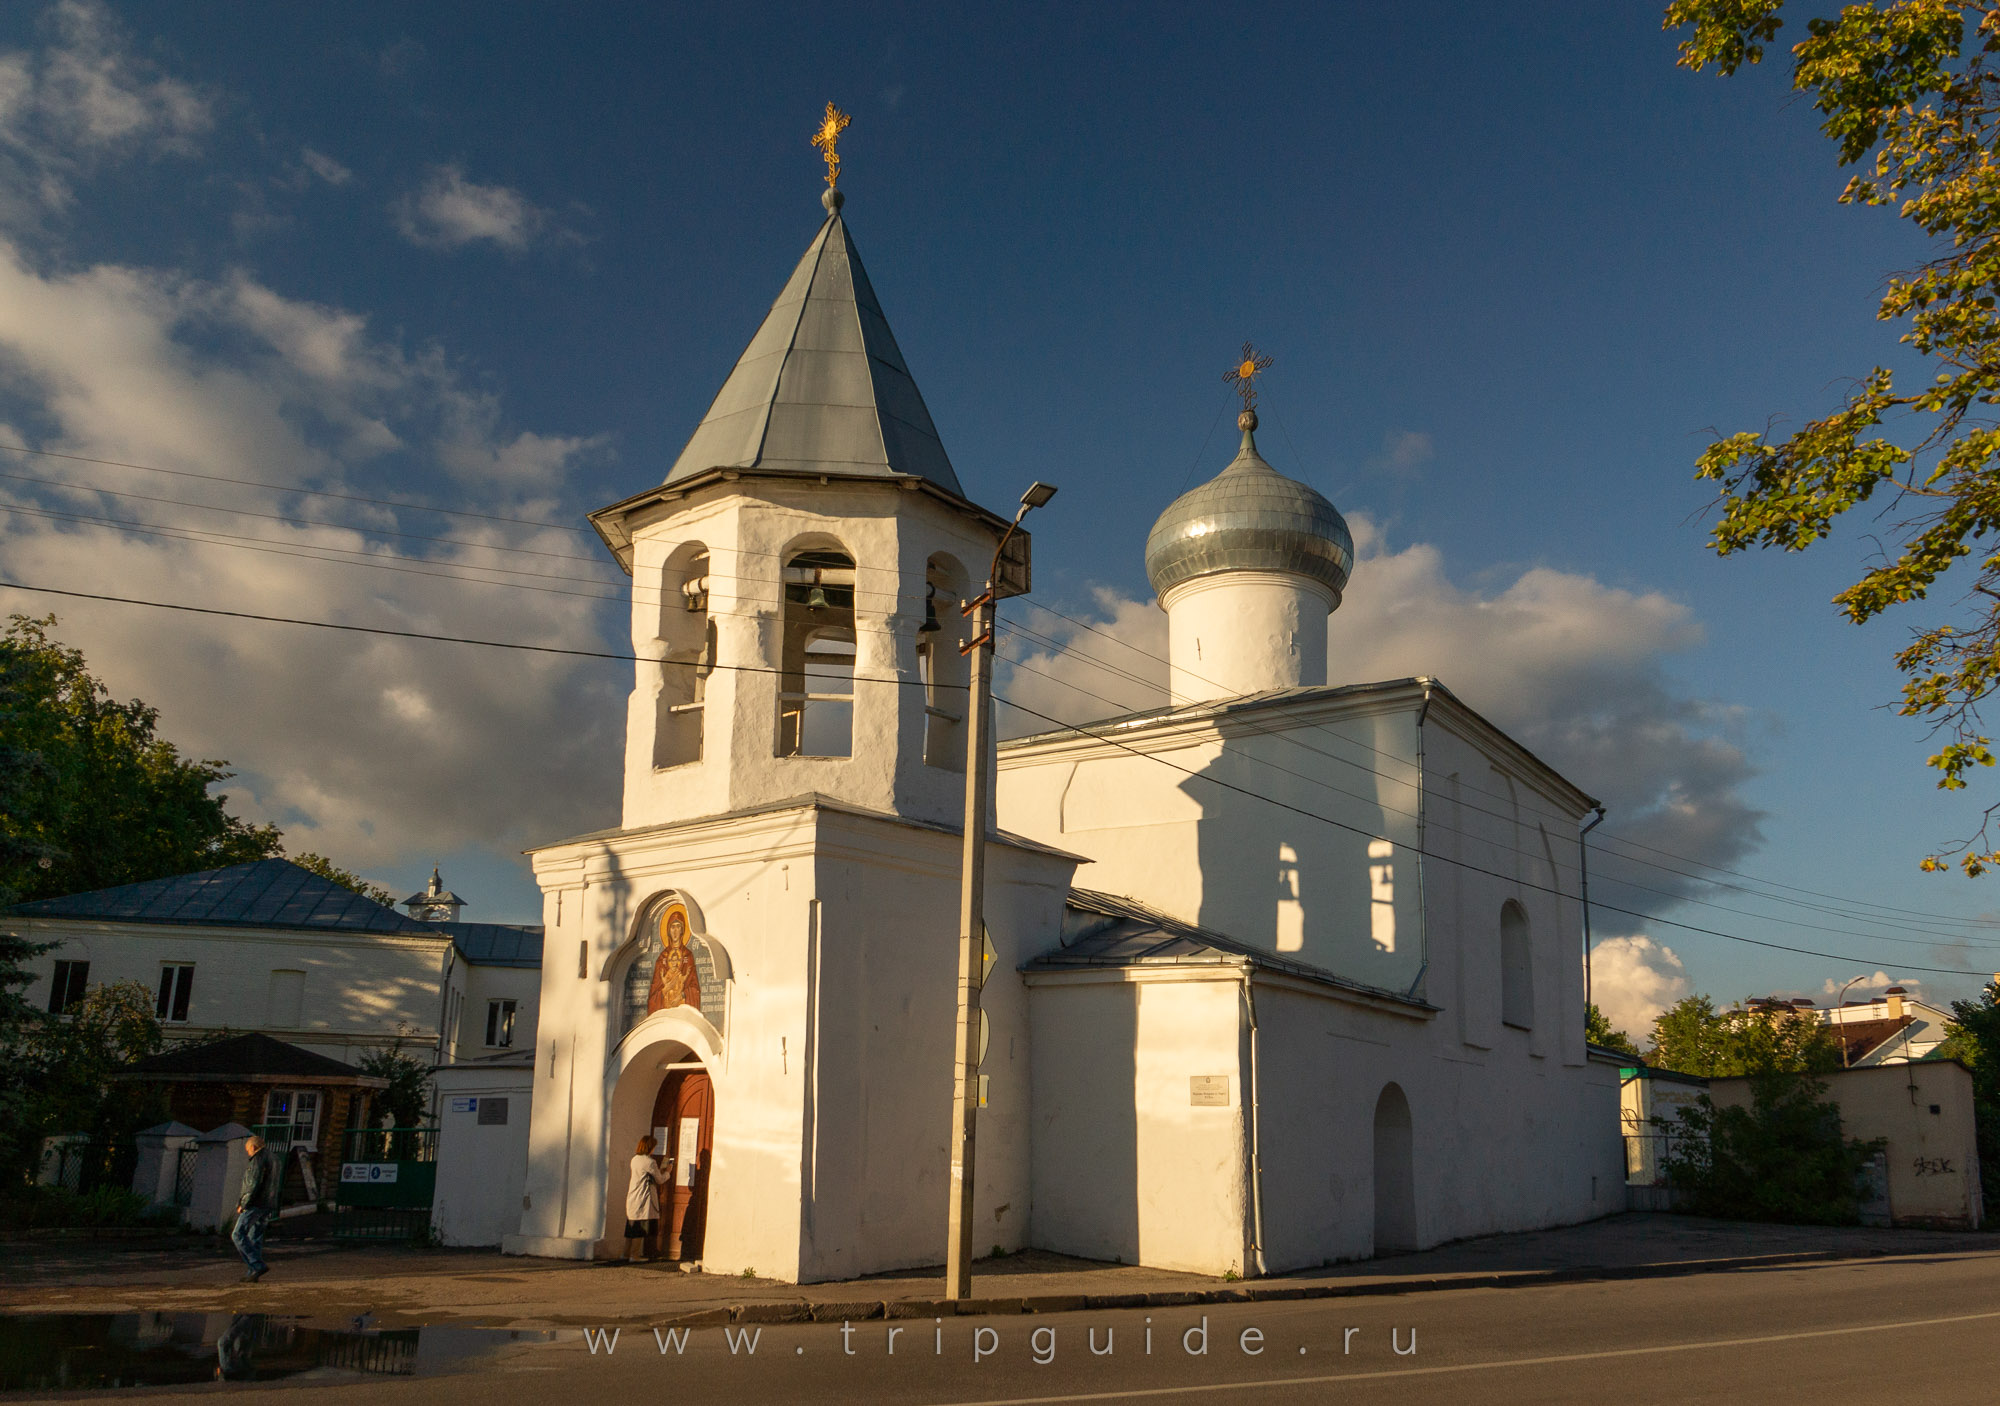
<point>407,1286</point>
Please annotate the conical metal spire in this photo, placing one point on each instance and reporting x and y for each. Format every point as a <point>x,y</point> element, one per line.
<point>822,387</point>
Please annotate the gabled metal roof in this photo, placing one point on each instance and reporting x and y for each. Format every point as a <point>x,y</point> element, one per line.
<point>276,893</point>
<point>822,387</point>
<point>267,893</point>
<point>1103,930</point>
<point>495,944</point>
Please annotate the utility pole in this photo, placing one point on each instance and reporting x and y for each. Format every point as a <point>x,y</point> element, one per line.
<point>972,901</point>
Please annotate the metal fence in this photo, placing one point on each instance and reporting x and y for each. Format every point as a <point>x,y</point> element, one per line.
<point>390,1145</point>
<point>82,1165</point>
<point>184,1175</point>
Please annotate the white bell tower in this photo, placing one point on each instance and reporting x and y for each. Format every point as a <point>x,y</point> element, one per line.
<point>796,577</point>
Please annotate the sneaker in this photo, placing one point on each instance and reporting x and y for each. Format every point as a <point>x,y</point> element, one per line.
<point>254,1275</point>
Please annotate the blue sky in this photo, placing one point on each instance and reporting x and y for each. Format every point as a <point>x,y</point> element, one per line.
<point>1512,265</point>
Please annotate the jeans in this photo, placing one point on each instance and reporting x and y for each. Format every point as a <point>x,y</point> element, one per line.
<point>248,1237</point>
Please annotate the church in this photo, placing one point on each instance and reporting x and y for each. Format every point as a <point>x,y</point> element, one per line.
<point>1285,971</point>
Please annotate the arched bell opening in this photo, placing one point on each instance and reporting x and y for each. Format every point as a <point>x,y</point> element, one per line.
<point>816,667</point>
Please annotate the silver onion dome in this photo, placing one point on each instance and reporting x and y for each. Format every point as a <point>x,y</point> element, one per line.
<point>1250,517</point>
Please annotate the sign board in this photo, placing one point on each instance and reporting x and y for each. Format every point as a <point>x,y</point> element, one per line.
<point>465,1105</point>
<point>492,1110</point>
<point>374,1173</point>
<point>690,1149</point>
<point>1208,1090</point>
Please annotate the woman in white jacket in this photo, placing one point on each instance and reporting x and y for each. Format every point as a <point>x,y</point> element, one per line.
<point>642,1198</point>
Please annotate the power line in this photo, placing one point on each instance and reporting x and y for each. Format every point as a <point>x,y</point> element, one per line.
<point>1056,722</point>
<point>1556,864</point>
<point>1612,843</point>
<point>1606,839</point>
<point>306,492</point>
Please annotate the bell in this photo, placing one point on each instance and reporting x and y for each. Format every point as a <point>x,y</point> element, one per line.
<point>817,599</point>
<point>930,625</point>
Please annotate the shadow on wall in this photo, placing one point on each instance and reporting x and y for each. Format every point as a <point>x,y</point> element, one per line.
<point>1303,888</point>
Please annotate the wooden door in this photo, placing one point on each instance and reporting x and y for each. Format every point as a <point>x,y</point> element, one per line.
<point>685,1112</point>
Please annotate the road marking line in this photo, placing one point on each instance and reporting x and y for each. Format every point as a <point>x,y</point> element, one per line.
<point>1336,1378</point>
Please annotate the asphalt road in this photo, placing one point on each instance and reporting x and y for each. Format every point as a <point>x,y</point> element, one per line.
<point>1916,1327</point>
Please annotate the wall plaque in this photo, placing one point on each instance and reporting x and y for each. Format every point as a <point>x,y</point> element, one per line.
<point>1208,1090</point>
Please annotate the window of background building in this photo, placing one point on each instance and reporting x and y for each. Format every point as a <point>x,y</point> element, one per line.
<point>291,1116</point>
<point>499,1024</point>
<point>176,984</point>
<point>72,979</point>
<point>286,1001</point>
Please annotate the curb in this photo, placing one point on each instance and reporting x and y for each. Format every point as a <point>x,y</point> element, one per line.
<point>807,1311</point>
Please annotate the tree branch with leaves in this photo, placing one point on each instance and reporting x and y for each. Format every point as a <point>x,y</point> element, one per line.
<point>1910,94</point>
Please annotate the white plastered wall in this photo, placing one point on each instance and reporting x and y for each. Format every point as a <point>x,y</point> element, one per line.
<point>362,991</point>
<point>832,1079</point>
<point>1126,1166</point>
<point>1512,1128</point>
<point>1246,856</point>
<point>481,1166</point>
<point>1240,632</point>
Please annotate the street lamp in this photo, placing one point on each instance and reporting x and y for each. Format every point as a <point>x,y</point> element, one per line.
<point>972,904</point>
<point>1839,1004</point>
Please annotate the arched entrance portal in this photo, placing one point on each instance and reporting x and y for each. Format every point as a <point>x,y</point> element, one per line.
<point>684,1127</point>
<point>1395,1174</point>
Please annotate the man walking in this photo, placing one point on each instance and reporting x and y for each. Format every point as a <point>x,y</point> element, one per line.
<point>263,1178</point>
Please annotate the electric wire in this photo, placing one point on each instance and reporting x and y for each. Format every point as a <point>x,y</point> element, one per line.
<point>1056,723</point>
<point>1611,842</point>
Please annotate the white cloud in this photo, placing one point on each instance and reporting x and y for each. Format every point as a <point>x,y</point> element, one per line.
<point>1868,987</point>
<point>1406,451</point>
<point>448,212</point>
<point>84,100</point>
<point>368,748</point>
<point>325,167</point>
<point>1633,979</point>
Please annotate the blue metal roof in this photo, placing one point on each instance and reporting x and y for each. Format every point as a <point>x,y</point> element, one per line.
<point>276,893</point>
<point>268,893</point>
<point>494,944</point>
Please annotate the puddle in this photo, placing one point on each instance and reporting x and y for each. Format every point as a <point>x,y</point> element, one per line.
<point>79,1351</point>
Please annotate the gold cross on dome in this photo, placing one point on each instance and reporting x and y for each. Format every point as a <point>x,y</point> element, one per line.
<point>1245,372</point>
<point>827,139</point>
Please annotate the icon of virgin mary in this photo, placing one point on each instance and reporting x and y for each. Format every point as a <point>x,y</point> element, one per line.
<point>675,981</point>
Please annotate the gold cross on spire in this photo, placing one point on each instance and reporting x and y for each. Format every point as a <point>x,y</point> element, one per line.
<point>827,139</point>
<point>1245,372</point>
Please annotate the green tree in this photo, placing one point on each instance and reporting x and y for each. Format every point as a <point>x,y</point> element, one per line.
<point>62,1069</point>
<point>347,879</point>
<point>91,797</point>
<point>1972,1037</point>
<point>1693,1037</point>
<point>408,1096</point>
<point>1909,93</point>
<point>1783,1158</point>
<point>1597,1030</point>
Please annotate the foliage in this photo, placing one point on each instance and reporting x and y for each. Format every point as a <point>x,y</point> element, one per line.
<point>1693,1037</point>
<point>408,1096</point>
<point>1910,92</point>
<point>90,796</point>
<point>1783,1158</point>
<point>51,1206</point>
<point>1597,1030</point>
<point>56,1075</point>
<point>319,864</point>
<point>1972,1037</point>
